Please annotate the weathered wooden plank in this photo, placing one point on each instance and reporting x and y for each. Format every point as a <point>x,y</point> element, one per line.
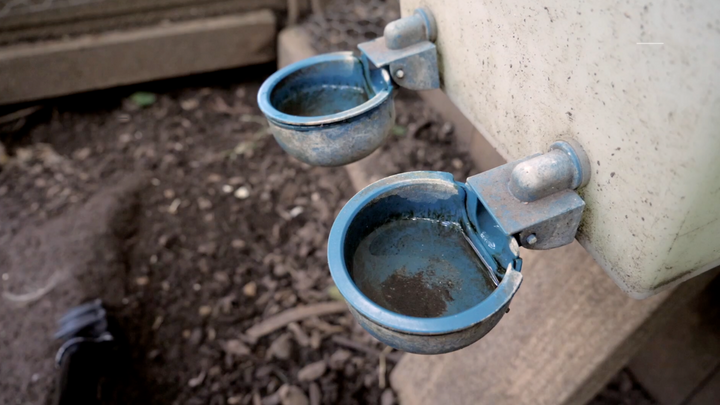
<point>709,393</point>
<point>681,357</point>
<point>49,69</point>
<point>18,18</point>
<point>140,18</point>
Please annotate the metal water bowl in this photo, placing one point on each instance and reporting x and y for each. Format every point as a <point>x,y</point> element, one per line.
<point>411,266</point>
<point>329,110</point>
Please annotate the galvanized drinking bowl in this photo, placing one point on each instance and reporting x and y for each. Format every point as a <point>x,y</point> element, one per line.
<point>329,110</point>
<point>404,255</point>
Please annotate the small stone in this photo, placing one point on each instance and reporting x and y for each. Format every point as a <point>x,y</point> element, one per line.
<point>234,400</point>
<point>194,382</point>
<point>169,194</point>
<point>125,138</point>
<point>214,178</point>
<point>457,163</point>
<point>315,339</point>
<point>227,189</point>
<point>234,181</point>
<point>81,154</point>
<point>204,204</point>
<point>158,322</point>
<point>250,289</point>
<point>165,286</point>
<point>167,240</point>
<point>3,190</point>
<point>292,395</point>
<point>205,310</point>
<point>197,287</point>
<point>190,104</point>
<point>142,281</point>
<point>280,348</point>
<point>242,193</point>
<point>203,265</point>
<point>221,277</point>
<point>447,128</point>
<point>186,334</point>
<point>312,371</point>
<point>237,243</point>
<point>339,358</point>
<point>387,397</point>
<point>235,347</point>
<point>53,191</point>
<point>153,354</point>
<point>172,209</point>
<point>208,248</point>
<point>215,370</point>
<point>195,336</point>
<point>211,334</point>
<point>296,211</point>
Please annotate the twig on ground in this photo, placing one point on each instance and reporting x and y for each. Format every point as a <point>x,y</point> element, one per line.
<point>382,367</point>
<point>19,114</point>
<point>349,343</point>
<point>293,315</point>
<point>37,294</point>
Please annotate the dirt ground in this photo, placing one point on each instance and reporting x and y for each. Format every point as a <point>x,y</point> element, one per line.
<point>192,225</point>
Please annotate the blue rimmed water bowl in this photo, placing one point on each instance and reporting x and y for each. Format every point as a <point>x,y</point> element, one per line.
<point>329,110</point>
<point>413,258</point>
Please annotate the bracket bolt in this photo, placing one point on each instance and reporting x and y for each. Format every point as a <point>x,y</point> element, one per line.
<point>531,239</point>
<point>399,73</point>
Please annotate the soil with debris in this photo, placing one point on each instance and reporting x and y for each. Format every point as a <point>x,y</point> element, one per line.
<point>196,230</point>
<point>205,241</point>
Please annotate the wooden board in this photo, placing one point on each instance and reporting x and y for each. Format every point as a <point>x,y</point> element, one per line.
<point>43,70</point>
<point>709,393</point>
<point>20,18</point>
<point>131,19</point>
<point>679,362</point>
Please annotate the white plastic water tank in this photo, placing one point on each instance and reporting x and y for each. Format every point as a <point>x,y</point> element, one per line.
<point>636,83</point>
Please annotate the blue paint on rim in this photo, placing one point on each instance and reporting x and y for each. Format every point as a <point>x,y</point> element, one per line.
<point>382,86</point>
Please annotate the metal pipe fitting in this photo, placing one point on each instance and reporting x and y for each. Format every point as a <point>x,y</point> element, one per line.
<point>410,30</point>
<point>564,167</point>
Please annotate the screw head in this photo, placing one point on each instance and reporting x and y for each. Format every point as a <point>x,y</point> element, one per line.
<point>399,73</point>
<point>531,239</point>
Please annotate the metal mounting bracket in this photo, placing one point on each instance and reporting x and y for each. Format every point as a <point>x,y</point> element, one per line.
<point>533,199</point>
<point>408,51</point>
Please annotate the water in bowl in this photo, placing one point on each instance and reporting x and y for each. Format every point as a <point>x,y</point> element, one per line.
<point>421,268</point>
<point>319,100</point>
